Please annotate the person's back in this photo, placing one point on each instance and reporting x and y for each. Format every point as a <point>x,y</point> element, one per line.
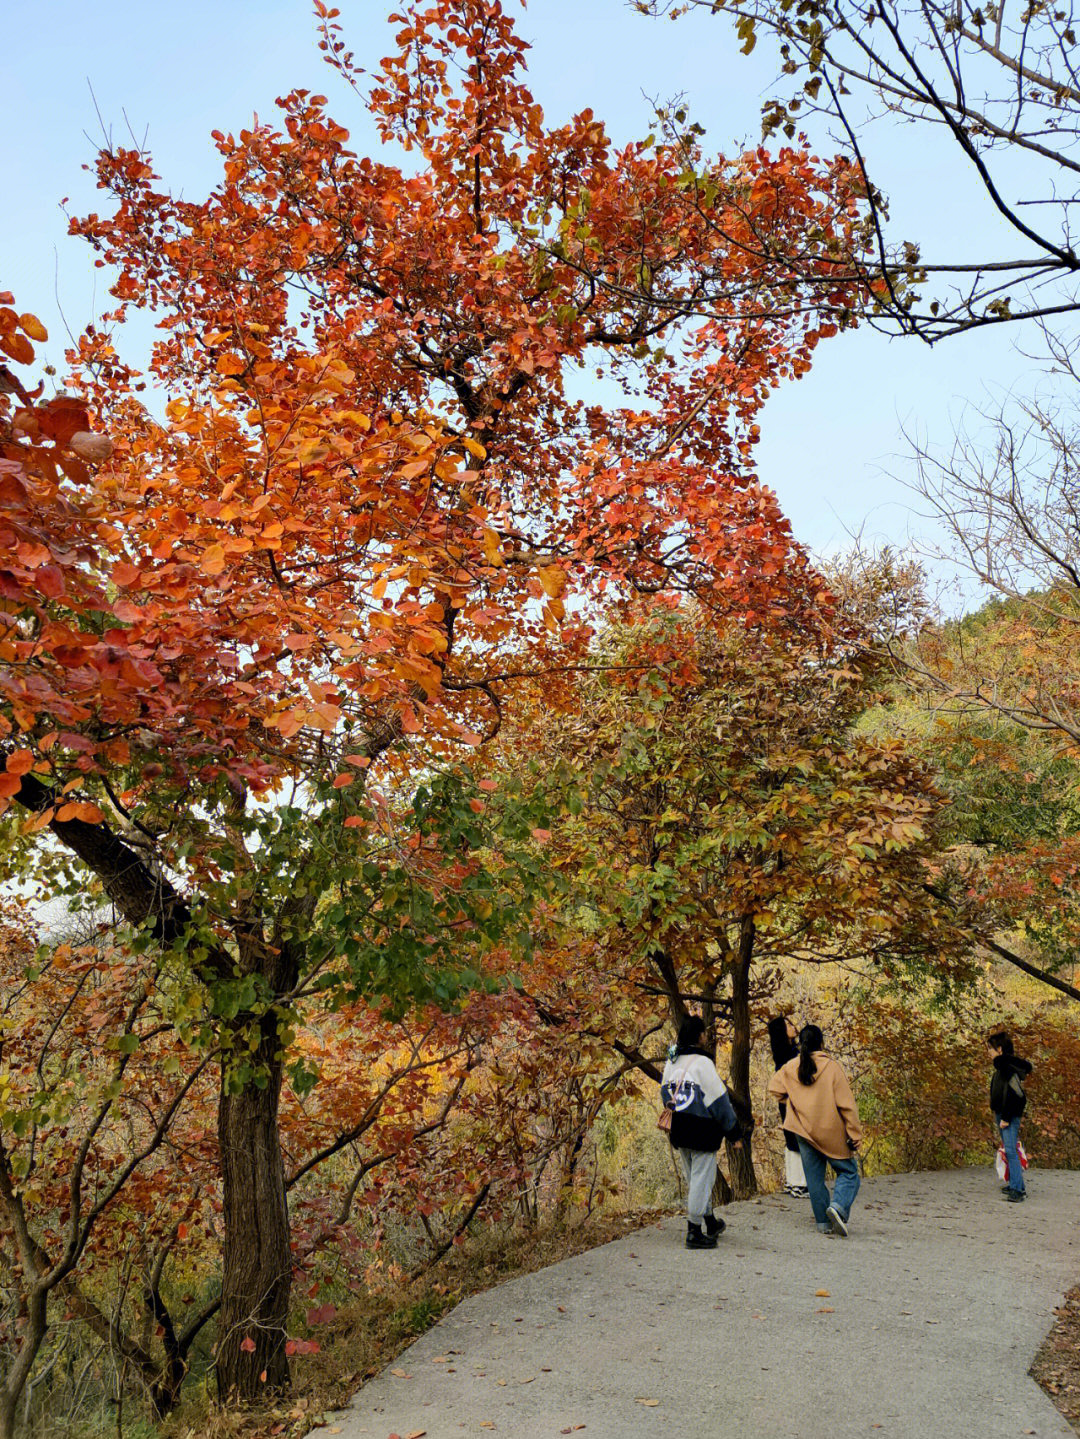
<point>702,1116</point>
<point>702,1113</point>
<point>823,1116</point>
<point>824,1111</point>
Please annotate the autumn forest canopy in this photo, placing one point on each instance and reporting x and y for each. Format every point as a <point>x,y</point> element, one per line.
<point>413,704</point>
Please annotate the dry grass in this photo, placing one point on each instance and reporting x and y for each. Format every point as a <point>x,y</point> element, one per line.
<point>367,1333</point>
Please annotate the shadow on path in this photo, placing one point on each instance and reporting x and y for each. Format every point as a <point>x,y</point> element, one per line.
<point>935,1307</point>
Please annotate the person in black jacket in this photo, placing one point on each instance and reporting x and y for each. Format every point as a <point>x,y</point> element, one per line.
<point>1008,1102</point>
<point>782,1034</point>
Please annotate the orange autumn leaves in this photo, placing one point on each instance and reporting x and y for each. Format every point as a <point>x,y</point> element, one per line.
<point>376,489</point>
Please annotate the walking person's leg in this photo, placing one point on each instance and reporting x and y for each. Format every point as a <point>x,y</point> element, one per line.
<point>702,1178</point>
<point>846,1186</point>
<point>686,1162</point>
<point>700,1170</point>
<point>794,1178</point>
<point>1010,1136</point>
<point>814,1168</point>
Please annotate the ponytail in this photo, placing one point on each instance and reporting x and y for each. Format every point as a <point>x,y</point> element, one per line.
<point>810,1039</point>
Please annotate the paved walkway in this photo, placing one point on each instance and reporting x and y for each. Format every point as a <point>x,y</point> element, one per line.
<point>935,1307</point>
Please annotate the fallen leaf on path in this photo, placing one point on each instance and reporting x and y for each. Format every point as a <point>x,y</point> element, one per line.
<point>401,1374</point>
<point>649,1403</point>
<point>825,1311</point>
<point>821,1294</point>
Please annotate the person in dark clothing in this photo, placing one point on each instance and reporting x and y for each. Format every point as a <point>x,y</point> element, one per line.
<point>1007,1103</point>
<point>702,1117</point>
<point>782,1036</point>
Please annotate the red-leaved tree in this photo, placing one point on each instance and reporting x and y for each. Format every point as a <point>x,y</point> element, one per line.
<point>239,642</point>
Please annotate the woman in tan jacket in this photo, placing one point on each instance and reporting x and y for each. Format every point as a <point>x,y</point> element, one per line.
<point>822,1115</point>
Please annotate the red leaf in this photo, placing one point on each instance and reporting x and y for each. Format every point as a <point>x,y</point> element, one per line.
<point>62,417</point>
<point>50,581</point>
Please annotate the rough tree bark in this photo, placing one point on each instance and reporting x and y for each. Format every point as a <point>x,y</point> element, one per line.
<point>256,1272</point>
<point>256,1276</point>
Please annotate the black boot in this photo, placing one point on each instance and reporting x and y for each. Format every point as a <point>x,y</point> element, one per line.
<point>714,1225</point>
<point>696,1240</point>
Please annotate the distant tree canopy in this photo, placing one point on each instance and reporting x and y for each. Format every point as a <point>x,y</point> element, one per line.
<point>723,823</point>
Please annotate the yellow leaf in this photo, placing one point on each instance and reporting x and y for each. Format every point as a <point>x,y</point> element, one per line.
<point>213,560</point>
<point>492,548</point>
<point>474,447</point>
<point>32,326</point>
<point>553,579</point>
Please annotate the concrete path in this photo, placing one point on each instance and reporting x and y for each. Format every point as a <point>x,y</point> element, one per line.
<point>935,1307</point>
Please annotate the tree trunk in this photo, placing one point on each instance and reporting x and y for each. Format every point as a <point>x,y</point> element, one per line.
<point>11,1392</point>
<point>741,1161</point>
<point>8,1405</point>
<point>257,1260</point>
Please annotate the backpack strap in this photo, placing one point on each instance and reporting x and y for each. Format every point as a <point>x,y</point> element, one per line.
<point>675,1093</point>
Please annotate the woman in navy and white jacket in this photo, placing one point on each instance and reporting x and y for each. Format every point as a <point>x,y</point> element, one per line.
<point>702,1118</point>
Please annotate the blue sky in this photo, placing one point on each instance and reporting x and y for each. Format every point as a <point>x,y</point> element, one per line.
<point>831,442</point>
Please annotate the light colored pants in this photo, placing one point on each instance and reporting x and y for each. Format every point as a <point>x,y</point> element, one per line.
<point>700,1171</point>
<point>793,1170</point>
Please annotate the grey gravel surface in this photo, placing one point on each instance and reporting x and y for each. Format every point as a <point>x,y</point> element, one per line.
<point>936,1305</point>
